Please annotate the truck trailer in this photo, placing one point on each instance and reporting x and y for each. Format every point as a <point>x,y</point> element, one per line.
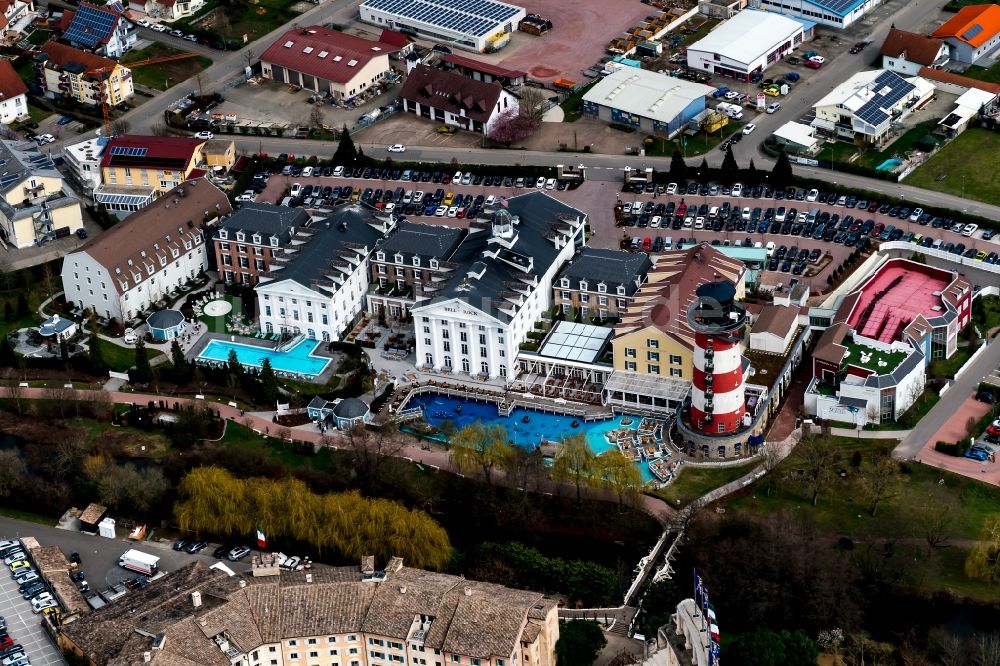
<point>136,560</point>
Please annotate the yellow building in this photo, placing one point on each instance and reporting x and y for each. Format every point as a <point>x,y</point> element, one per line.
<point>71,73</point>
<point>329,616</point>
<point>137,169</point>
<point>653,344</point>
<point>35,204</point>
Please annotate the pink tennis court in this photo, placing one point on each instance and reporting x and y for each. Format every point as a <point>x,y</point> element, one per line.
<point>895,295</point>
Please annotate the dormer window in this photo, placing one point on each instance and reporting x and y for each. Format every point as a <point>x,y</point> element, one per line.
<point>380,256</point>
<point>129,262</point>
<point>416,261</point>
<point>434,264</point>
<point>583,285</point>
<point>174,252</point>
<point>603,288</point>
<point>240,236</point>
<point>163,260</point>
<point>256,239</point>
<point>398,258</point>
<point>222,231</point>
<point>142,253</point>
<point>564,282</point>
<point>118,271</point>
<point>621,290</point>
<point>187,245</point>
<point>274,241</point>
<point>156,246</point>
<point>223,234</point>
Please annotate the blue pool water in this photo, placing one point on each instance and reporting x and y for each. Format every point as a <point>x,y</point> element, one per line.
<point>551,427</point>
<point>298,359</point>
<point>889,164</point>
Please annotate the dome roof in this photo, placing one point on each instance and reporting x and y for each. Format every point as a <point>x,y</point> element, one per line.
<point>165,319</point>
<point>350,408</point>
<point>502,217</point>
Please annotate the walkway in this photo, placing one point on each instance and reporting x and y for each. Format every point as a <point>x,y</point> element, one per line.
<point>870,434</point>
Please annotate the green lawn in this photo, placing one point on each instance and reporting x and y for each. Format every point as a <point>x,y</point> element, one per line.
<point>905,143</point>
<point>254,19</point>
<point>690,146</point>
<point>986,313</point>
<point>165,74</point>
<point>573,105</point>
<point>121,359</point>
<point>39,37</point>
<point>837,151</point>
<point>694,482</point>
<point>873,358</point>
<point>218,324</point>
<point>966,167</point>
<point>949,366</point>
<point>991,74</point>
<point>37,113</point>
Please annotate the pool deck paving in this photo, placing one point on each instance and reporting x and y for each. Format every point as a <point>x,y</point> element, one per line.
<point>198,347</point>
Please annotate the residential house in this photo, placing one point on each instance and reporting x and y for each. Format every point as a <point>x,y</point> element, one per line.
<point>166,10</point>
<point>16,15</point>
<point>13,94</point>
<point>145,258</point>
<point>599,283</point>
<point>246,243</point>
<point>507,263</point>
<point>83,161</point>
<point>135,169</point>
<point>415,256</point>
<point>104,30</point>
<point>906,52</point>
<point>70,73</point>
<point>329,62</point>
<point>36,204</point>
<point>318,286</point>
<point>869,104</point>
<point>453,99</point>
<point>972,33</point>
<point>345,616</point>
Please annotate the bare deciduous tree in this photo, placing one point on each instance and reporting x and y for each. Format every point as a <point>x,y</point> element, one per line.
<point>532,103</point>
<point>817,456</point>
<point>371,449</point>
<point>12,471</point>
<point>881,481</point>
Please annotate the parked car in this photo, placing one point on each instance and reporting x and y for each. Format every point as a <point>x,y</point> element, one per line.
<point>238,553</point>
<point>396,148</point>
<point>196,547</point>
<point>773,107</point>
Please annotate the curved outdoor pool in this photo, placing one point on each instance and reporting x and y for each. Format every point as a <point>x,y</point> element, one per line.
<point>540,425</point>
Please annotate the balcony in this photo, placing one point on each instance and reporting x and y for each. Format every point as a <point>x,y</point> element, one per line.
<point>709,366</point>
<point>709,407</point>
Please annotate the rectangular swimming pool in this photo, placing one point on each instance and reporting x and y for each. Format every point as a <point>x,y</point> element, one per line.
<point>299,359</point>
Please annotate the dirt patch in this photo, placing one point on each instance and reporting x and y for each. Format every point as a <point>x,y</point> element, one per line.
<point>578,37</point>
<point>133,444</point>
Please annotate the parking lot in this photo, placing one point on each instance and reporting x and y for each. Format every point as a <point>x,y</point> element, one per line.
<point>24,627</point>
<point>953,430</point>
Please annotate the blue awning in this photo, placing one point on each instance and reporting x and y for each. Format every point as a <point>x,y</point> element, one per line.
<point>755,440</point>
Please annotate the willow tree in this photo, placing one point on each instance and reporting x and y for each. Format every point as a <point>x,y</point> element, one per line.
<point>575,462</point>
<point>619,474</point>
<point>215,502</point>
<point>479,447</point>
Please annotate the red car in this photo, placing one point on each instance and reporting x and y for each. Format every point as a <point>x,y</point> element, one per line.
<point>6,642</point>
<point>647,244</point>
<point>812,64</point>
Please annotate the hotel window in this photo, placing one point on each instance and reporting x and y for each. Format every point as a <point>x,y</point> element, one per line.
<point>564,282</point>
<point>622,303</point>
<point>630,365</point>
<point>584,298</point>
<point>675,359</point>
<point>676,372</point>
<point>630,352</point>
<point>653,369</point>
<point>602,300</point>
<point>653,343</point>
<point>652,356</point>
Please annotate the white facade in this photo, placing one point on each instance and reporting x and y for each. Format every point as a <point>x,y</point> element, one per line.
<point>855,103</point>
<point>746,44</point>
<point>506,102</point>
<point>92,286</point>
<point>13,108</point>
<point>902,396</point>
<point>83,160</point>
<point>820,12</point>
<point>460,335</point>
<point>288,307</point>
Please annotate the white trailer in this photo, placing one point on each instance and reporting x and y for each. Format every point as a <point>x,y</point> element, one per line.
<point>136,560</point>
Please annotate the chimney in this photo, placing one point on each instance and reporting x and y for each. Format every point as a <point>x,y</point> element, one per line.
<point>243,584</point>
<point>309,578</point>
<point>468,591</point>
<point>402,589</point>
<point>147,656</point>
<point>196,599</point>
<point>395,564</point>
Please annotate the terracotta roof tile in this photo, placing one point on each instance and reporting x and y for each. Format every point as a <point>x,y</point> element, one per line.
<point>11,84</point>
<point>451,92</point>
<point>324,53</point>
<point>915,47</point>
<point>974,24</point>
<point>943,76</point>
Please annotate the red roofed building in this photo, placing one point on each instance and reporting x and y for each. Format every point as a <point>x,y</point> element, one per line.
<point>971,33</point>
<point>906,52</point>
<point>135,169</point>
<point>74,74</point>
<point>13,94</point>
<point>328,62</point>
<point>398,39</point>
<point>956,83</point>
<point>455,99</point>
<point>484,71</point>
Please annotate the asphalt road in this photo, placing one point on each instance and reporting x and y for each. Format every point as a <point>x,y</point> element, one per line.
<point>100,556</point>
<point>949,404</point>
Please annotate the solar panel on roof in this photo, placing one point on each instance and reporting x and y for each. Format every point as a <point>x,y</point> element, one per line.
<point>972,32</point>
<point>841,7</point>
<point>90,26</point>
<point>129,151</point>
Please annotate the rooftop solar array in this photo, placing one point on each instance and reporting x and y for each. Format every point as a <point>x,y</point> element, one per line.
<point>840,7</point>
<point>887,88</point>
<point>472,17</point>
<point>576,342</point>
<point>90,26</point>
<point>972,32</point>
<point>130,151</point>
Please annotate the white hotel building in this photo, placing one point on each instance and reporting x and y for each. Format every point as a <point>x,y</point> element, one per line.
<point>318,283</point>
<point>125,270</point>
<point>476,321</point>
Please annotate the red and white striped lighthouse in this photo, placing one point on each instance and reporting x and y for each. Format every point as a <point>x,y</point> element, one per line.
<point>718,405</point>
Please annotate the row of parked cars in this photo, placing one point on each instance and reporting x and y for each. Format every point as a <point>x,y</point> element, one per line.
<point>399,200</point>
<point>32,588</point>
<point>224,551</point>
<point>416,176</point>
<point>985,449</point>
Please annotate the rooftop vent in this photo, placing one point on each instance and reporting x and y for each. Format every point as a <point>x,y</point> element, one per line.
<point>196,599</point>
